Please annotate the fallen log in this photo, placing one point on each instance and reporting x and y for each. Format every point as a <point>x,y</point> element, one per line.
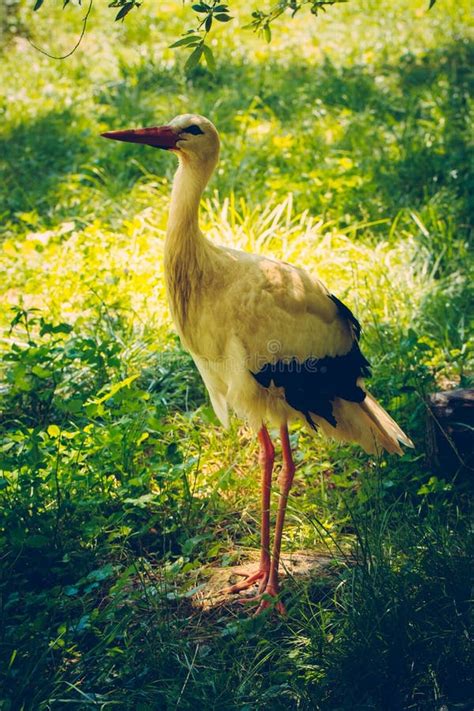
<point>450,433</point>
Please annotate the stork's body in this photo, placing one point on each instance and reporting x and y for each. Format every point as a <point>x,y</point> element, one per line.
<point>271,342</point>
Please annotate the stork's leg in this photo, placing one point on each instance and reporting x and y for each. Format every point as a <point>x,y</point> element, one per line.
<point>266,458</point>
<point>272,587</point>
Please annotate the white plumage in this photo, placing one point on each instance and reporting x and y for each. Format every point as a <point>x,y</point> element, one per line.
<point>269,340</point>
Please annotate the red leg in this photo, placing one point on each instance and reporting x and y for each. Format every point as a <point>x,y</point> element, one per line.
<point>286,480</point>
<point>266,458</point>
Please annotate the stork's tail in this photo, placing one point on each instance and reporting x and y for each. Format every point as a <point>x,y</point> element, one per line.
<point>368,424</point>
<point>385,429</point>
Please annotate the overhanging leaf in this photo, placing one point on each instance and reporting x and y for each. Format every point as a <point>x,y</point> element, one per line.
<point>193,59</point>
<point>124,11</point>
<point>209,57</point>
<point>186,41</point>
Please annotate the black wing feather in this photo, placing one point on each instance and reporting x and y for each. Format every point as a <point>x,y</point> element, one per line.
<point>345,312</point>
<point>313,385</point>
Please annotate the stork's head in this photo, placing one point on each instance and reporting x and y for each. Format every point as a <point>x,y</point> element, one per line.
<point>193,137</point>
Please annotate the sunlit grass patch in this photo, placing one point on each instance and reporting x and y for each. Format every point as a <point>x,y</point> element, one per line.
<point>115,280</point>
<point>392,284</point>
<point>366,121</point>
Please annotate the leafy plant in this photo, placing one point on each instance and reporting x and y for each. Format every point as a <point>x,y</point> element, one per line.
<point>208,14</point>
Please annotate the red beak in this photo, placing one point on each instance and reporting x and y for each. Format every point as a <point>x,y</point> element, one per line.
<point>156,136</point>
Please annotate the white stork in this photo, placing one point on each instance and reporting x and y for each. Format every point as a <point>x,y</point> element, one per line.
<point>269,340</point>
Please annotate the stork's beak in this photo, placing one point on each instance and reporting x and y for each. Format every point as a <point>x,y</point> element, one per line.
<point>156,136</point>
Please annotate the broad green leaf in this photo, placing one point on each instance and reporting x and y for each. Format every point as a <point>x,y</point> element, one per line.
<point>49,328</point>
<point>114,389</point>
<point>38,4</point>
<point>184,41</point>
<point>100,573</point>
<point>124,10</point>
<point>70,435</point>
<point>209,57</point>
<point>140,501</point>
<point>194,590</point>
<point>223,17</point>
<point>73,405</point>
<point>41,372</point>
<point>193,59</point>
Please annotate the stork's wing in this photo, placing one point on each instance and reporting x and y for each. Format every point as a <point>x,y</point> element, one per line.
<point>268,319</point>
<point>279,312</point>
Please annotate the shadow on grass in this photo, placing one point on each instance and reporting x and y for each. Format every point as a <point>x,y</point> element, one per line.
<point>390,633</point>
<point>404,125</point>
<point>37,156</point>
<point>437,84</point>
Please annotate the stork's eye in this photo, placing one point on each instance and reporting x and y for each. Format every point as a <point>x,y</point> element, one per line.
<point>195,130</point>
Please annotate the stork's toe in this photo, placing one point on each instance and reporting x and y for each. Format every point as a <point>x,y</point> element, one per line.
<point>261,574</point>
<point>270,599</point>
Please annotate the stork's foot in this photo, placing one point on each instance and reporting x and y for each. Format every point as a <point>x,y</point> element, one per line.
<point>268,598</point>
<point>261,574</point>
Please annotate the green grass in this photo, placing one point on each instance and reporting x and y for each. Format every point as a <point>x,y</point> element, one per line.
<point>347,149</point>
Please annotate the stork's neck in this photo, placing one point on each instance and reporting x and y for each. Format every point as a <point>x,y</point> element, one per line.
<point>185,246</point>
<point>183,222</point>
